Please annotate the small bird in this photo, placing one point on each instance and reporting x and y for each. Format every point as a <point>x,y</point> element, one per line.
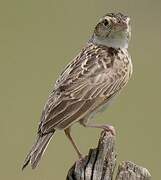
<point>87,84</point>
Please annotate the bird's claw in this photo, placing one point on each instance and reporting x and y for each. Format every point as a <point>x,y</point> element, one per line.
<point>110,129</point>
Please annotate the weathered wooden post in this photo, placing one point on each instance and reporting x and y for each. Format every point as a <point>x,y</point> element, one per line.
<point>100,164</point>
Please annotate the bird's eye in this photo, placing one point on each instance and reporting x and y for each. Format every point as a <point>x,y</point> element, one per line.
<point>105,22</point>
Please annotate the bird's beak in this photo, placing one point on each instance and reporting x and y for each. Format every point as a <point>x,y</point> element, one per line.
<point>123,24</point>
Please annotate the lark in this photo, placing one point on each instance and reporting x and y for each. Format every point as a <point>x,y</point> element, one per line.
<point>87,84</point>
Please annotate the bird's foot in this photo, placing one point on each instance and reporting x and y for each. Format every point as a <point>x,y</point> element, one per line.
<point>109,128</point>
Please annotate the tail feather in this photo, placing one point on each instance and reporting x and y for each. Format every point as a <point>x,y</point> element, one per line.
<point>37,150</point>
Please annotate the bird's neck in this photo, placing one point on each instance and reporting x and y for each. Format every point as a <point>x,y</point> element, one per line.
<point>116,42</point>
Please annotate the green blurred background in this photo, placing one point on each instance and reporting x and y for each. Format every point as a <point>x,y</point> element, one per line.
<point>37,39</point>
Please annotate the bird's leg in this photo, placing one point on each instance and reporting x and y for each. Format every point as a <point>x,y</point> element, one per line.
<point>67,133</point>
<point>106,127</point>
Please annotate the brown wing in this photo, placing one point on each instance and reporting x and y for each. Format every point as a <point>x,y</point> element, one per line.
<point>85,83</point>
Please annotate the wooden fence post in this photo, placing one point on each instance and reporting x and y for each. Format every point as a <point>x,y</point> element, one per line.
<point>100,164</point>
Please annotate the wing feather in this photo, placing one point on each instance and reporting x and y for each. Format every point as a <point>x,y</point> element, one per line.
<point>86,83</point>
<point>77,115</point>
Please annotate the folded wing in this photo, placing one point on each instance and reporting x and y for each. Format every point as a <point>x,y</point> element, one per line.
<point>88,81</point>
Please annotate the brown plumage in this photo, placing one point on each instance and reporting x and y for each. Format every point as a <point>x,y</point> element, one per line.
<point>86,85</point>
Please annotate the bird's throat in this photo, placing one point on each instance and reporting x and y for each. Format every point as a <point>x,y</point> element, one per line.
<point>114,42</point>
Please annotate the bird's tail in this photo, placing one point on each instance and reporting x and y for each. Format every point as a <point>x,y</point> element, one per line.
<point>37,150</point>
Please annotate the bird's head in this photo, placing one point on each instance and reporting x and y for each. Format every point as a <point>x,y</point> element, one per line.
<point>113,30</point>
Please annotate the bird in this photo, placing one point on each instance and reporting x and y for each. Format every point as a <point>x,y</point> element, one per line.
<point>87,85</point>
